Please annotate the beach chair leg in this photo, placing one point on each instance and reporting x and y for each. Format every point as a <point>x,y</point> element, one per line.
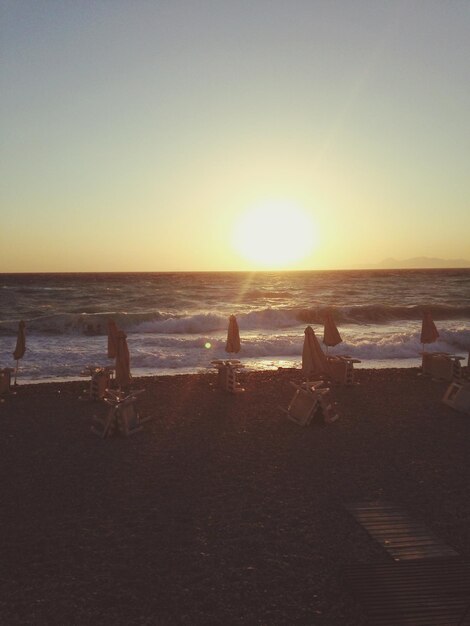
<point>349,376</point>
<point>128,420</point>
<point>5,381</point>
<point>107,424</point>
<point>222,377</point>
<point>328,410</point>
<point>232,383</point>
<point>456,371</point>
<point>316,407</point>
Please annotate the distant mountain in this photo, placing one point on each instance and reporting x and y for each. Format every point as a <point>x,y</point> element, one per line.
<point>422,262</point>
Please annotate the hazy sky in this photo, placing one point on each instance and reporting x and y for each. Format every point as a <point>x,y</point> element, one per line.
<point>141,135</point>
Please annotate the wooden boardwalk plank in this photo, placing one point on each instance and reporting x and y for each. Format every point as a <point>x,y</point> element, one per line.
<point>422,592</point>
<point>400,535</point>
<point>428,585</point>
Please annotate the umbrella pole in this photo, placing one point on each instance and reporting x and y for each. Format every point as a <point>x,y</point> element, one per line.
<point>423,365</point>
<point>16,371</point>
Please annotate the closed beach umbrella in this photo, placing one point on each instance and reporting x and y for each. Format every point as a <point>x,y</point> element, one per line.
<point>314,361</point>
<point>123,366</point>
<point>20,348</point>
<point>331,336</point>
<point>20,342</point>
<point>429,332</point>
<point>112,339</point>
<point>233,336</point>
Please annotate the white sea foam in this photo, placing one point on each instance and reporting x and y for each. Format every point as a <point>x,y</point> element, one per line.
<point>201,322</point>
<point>269,318</point>
<point>62,356</point>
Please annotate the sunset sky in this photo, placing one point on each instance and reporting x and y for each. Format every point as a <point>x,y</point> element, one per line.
<point>238,134</point>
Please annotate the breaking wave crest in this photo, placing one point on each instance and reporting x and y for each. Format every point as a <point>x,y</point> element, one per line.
<point>205,322</point>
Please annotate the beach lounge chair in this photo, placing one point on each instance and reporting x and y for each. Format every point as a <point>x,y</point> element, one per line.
<point>341,365</point>
<point>316,364</point>
<point>122,416</point>
<point>308,399</point>
<point>442,366</point>
<point>5,380</point>
<point>342,368</point>
<point>101,378</point>
<point>227,374</point>
<point>457,396</point>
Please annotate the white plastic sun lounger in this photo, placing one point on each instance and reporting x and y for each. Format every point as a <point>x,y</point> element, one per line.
<point>308,399</point>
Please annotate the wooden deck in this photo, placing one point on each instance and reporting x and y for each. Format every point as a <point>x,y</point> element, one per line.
<point>426,584</point>
<point>426,592</point>
<point>401,536</point>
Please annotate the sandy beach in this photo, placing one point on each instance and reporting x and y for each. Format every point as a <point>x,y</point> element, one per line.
<point>221,511</point>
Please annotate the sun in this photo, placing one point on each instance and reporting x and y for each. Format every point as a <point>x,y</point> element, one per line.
<point>275,234</point>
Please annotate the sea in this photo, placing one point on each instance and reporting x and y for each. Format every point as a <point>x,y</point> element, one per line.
<point>176,323</point>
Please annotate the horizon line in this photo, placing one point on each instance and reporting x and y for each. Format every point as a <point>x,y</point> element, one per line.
<point>247,271</point>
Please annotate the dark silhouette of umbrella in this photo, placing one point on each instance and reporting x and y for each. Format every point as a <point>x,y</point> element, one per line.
<point>331,336</point>
<point>314,361</point>
<point>123,368</point>
<point>112,339</point>
<point>233,336</point>
<point>20,348</point>
<point>429,333</point>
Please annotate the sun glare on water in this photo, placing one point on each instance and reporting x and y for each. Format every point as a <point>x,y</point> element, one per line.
<point>275,235</point>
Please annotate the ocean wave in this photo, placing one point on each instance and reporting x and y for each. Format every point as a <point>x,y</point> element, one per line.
<point>400,345</point>
<point>188,324</point>
<point>381,313</point>
<point>394,345</point>
<point>270,318</point>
